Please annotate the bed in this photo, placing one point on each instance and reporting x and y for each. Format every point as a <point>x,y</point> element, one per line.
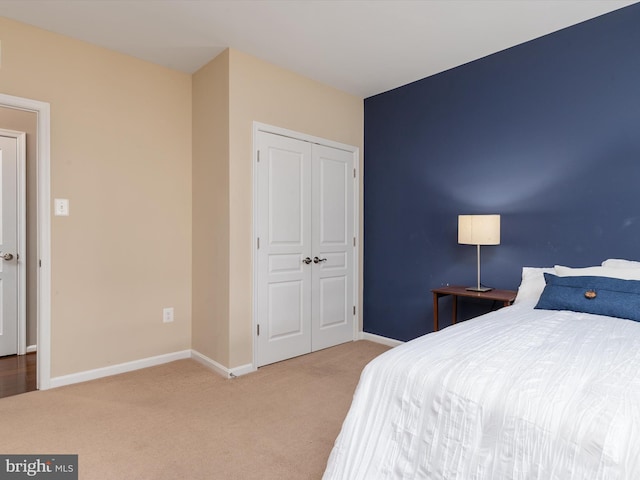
<point>519,393</point>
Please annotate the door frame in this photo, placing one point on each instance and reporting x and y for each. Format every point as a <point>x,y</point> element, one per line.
<point>355,151</point>
<point>21,231</point>
<point>43,300</point>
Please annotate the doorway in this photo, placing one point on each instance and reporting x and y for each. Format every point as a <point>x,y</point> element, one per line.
<point>38,202</point>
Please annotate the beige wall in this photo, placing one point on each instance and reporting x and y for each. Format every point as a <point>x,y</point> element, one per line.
<point>253,90</point>
<point>139,150</point>
<point>22,121</point>
<point>268,94</point>
<point>121,153</point>
<point>211,210</point>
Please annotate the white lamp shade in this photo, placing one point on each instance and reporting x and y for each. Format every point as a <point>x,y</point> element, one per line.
<point>479,229</point>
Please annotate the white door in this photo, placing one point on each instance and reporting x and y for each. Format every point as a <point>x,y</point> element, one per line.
<point>9,246</point>
<point>332,247</point>
<point>284,254</point>
<point>305,256</point>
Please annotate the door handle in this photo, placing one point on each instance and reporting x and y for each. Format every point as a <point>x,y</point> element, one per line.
<point>9,256</point>
<point>319,260</point>
<point>307,260</point>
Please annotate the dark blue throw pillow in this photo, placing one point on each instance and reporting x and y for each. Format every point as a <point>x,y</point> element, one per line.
<point>600,295</point>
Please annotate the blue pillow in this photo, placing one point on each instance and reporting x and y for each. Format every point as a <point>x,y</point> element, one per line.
<point>599,295</point>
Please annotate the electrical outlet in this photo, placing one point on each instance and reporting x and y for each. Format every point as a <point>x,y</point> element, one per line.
<point>167,314</point>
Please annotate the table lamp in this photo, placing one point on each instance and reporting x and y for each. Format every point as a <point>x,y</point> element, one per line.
<point>479,230</point>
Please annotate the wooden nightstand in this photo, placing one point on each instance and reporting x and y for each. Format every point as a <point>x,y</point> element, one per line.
<point>505,296</point>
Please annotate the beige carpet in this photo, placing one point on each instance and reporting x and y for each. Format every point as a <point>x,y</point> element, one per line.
<point>181,421</point>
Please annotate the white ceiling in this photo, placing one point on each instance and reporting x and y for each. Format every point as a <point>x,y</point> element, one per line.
<point>363,47</point>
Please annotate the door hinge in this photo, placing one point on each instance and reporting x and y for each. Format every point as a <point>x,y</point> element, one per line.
<point>258,329</point>
<point>354,173</point>
<point>258,156</point>
<point>354,309</point>
<point>258,243</point>
<point>354,241</point>
<point>40,263</point>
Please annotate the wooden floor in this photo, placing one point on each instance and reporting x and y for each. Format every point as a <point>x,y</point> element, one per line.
<point>17,374</point>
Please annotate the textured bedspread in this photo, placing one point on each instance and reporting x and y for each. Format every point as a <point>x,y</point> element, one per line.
<point>515,394</point>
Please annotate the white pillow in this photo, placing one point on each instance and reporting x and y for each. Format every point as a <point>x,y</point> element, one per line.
<point>620,263</point>
<point>532,283</point>
<point>611,272</point>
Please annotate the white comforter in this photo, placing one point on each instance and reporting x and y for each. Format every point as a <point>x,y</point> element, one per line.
<point>515,394</point>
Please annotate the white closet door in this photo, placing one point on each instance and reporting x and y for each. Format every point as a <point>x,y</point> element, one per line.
<point>305,258</point>
<point>332,246</point>
<point>284,279</point>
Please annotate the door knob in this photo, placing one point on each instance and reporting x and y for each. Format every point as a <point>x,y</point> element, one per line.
<point>319,260</point>
<point>307,260</point>
<point>9,256</point>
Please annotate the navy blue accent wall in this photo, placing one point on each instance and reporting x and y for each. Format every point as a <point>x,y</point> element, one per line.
<point>547,134</point>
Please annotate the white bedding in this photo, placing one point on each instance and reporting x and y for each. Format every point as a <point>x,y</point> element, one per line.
<point>515,394</point>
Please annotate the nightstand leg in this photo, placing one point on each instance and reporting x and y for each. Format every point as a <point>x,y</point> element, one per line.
<point>454,309</point>
<point>435,311</point>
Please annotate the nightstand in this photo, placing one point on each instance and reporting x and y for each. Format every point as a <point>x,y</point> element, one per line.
<point>505,296</point>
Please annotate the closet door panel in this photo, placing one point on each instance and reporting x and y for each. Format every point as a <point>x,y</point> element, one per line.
<point>332,245</point>
<point>284,279</point>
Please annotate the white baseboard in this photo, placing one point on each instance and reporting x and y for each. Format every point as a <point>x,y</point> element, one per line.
<point>390,342</point>
<point>243,370</point>
<point>116,369</point>
<point>220,369</point>
<point>181,355</point>
<point>32,348</point>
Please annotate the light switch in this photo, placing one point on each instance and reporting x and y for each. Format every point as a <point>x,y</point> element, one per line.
<point>61,207</point>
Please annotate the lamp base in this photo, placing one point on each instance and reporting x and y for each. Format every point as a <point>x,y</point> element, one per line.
<point>479,289</point>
